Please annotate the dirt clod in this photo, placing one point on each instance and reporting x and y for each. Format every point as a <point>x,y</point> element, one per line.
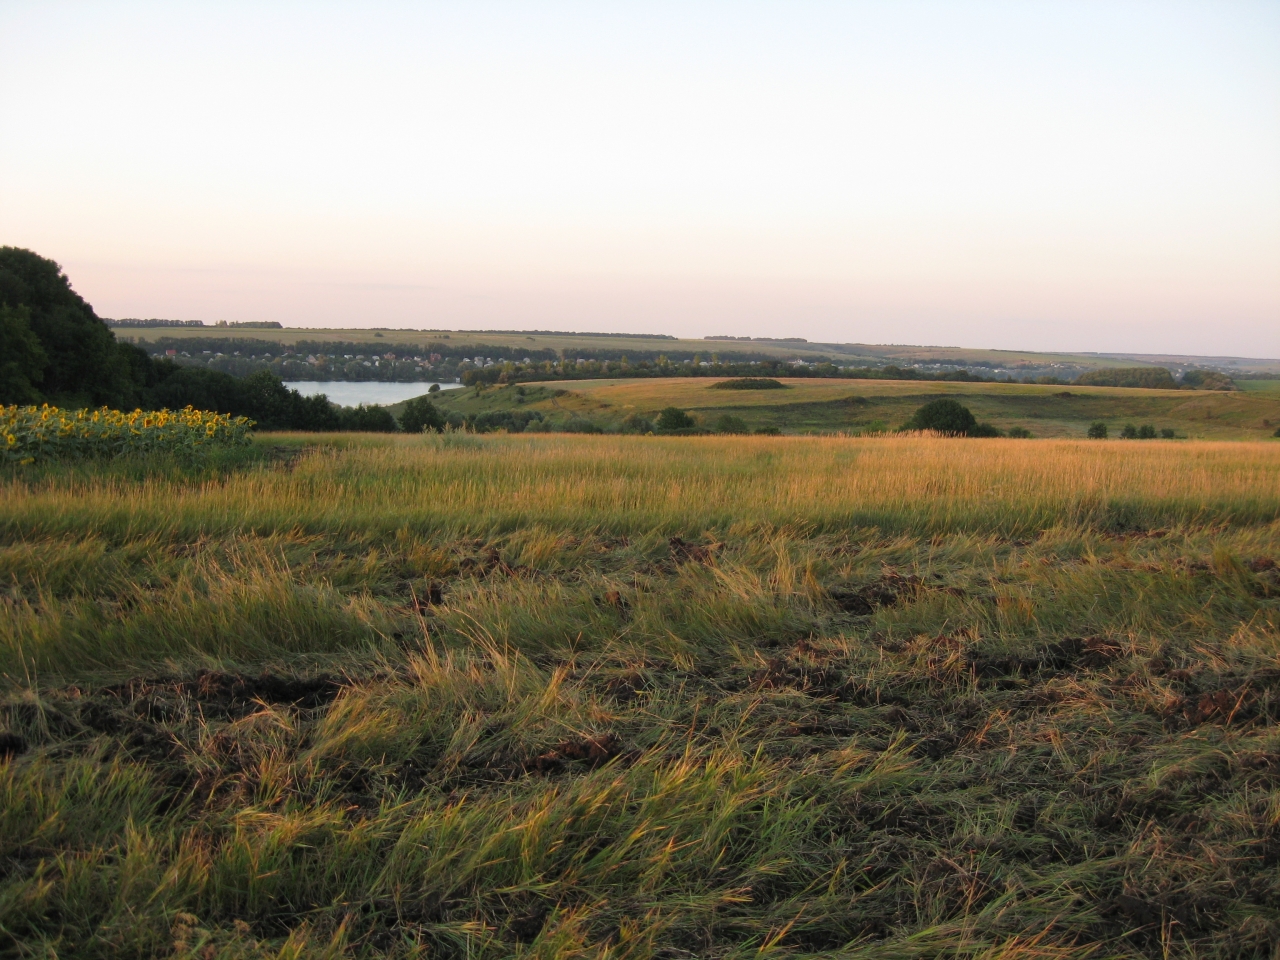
<point>884,592</point>
<point>11,745</point>
<point>594,751</point>
<point>684,552</point>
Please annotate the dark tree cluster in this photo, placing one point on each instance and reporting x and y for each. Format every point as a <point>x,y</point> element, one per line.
<point>1156,378</point>
<point>951,418</point>
<point>54,349</point>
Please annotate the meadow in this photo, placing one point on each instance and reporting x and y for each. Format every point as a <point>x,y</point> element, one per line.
<point>872,406</point>
<point>635,696</point>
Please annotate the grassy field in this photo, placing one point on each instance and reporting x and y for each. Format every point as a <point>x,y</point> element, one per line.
<point>863,406</point>
<point>600,696</point>
<point>1260,386</point>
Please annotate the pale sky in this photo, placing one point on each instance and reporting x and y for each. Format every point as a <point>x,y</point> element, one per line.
<point>1036,175</point>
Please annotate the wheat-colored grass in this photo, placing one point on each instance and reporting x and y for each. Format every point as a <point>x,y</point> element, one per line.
<point>630,484</point>
<point>642,697</point>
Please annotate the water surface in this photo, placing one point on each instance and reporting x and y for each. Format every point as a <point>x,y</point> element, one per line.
<point>349,393</point>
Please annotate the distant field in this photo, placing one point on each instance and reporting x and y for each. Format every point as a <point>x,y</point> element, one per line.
<point>862,406</point>
<point>1259,386</point>
<point>644,697</point>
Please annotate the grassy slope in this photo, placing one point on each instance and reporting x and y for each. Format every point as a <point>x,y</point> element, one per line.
<point>866,405</point>
<point>463,696</point>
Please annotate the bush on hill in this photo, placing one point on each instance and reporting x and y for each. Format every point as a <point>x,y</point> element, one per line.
<point>673,419</point>
<point>728,423</point>
<point>512,421</point>
<point>944,416</point>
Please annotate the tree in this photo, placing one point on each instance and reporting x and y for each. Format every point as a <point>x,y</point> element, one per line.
<point>22,359</point>
<point>1097,430</point>
<point>673,418</point>
<point>420,415</point>
<point>84,365</point>
<point>943,416</point>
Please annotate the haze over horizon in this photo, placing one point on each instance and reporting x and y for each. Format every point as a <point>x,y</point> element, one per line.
<point>1061,176</point>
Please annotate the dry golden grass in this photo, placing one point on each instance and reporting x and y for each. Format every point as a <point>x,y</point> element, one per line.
<point>640,697</point>
<point>632,483</point>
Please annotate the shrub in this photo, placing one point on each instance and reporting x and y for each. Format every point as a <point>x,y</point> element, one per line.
<point>768,431</point>
<point>1097,430</point>
<point>728,423</point>
<point>1277,433</point>
<point>1130,432</point>
<point>673,418</point>
<point>434,388</point>
<point>749,383</point>
<point>577,424</point>
<point>1021,433</point>
<point>513,421</point>
<point>1147,432</point>
<point>985,430</point>
<point>944,416</point>
<point>1167,434</point>
<point>637,424</point>
<point>420,415</point>
<point>367,419</point>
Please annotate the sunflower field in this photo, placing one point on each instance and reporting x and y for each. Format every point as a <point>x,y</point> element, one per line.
<point>31,434</point>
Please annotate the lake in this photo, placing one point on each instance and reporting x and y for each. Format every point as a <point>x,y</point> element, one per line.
<point>349,393</point>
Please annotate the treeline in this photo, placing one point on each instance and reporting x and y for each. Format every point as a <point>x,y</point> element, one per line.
<point>54,349</point>
<point>1156,378</point>
<point>667,367</point>
<point>157,322</point>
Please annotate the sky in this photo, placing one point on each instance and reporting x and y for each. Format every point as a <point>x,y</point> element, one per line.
<point>1041,175</point>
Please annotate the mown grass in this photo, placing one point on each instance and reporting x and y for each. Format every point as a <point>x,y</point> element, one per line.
<point>644,697</point>
<point>871,406</point>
